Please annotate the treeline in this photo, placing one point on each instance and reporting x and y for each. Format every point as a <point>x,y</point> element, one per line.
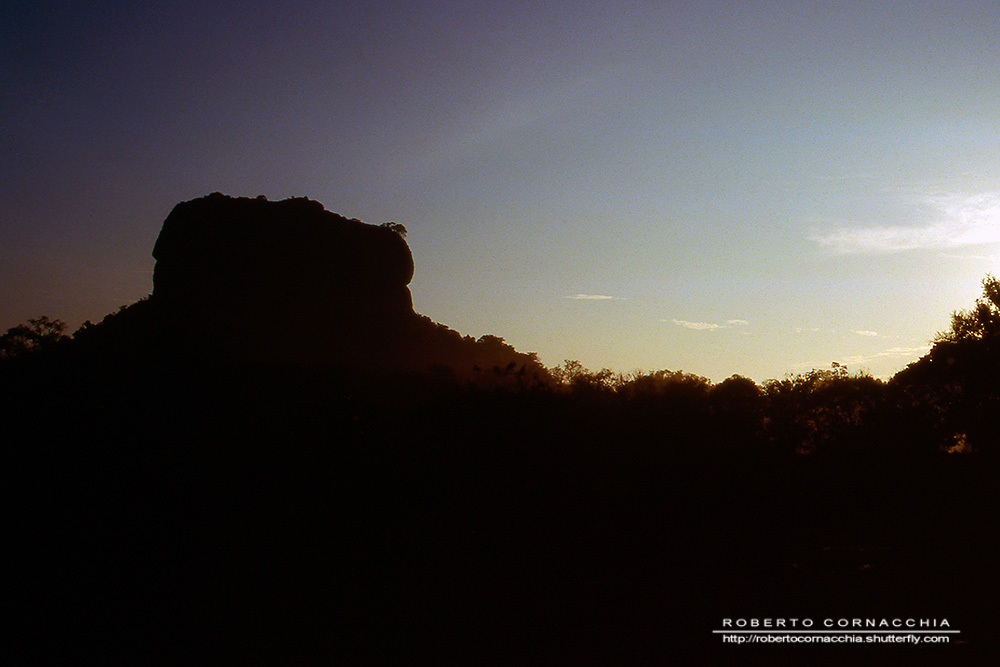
<point>943,403</point>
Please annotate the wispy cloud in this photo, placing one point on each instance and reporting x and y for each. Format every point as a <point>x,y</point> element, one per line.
<point>892,353</point>
<point>985,258</point>
<point>707,326</point>
<point>958,220</point>
<point>590,297</point>
<point>856,332</point>
<point>700,326</point>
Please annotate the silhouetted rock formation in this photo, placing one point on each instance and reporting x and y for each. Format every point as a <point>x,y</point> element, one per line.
<point>289,282</point>
<point>289,255</point>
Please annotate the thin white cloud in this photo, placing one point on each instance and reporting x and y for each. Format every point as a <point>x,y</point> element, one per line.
<point>890,353</point>
<point>904,351</point>
<point>862,332</point>
<point>699,326</point>
<point>708,326</point>
<point>958,221</point>
<point>590,297</point>
<point>986,258</point>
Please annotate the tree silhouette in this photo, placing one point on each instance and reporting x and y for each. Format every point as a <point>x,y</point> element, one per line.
<point>395,227</point>
<point>982,321</point>
<point>953,391</point>
<point>38,334</point>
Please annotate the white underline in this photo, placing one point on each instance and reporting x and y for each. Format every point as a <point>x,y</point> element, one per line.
<point>839,632</point>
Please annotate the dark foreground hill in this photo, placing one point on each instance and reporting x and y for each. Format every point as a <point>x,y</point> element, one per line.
<point>229,472</point>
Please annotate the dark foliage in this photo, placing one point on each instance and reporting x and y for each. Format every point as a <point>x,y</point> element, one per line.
<point>980,323</point>
<point>228,512</point>
<point>38,334</point>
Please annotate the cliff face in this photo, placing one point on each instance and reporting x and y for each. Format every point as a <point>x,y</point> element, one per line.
<point>292,255</point>
<point>289,282</point>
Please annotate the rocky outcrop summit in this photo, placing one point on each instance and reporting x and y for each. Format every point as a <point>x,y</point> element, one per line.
<point>290,255</point>
<point>252,280</point>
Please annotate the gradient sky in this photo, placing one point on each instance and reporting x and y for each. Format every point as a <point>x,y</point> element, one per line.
<point>716,187</point>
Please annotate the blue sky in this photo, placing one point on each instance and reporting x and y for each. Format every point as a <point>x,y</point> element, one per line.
<point>751,187</point>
